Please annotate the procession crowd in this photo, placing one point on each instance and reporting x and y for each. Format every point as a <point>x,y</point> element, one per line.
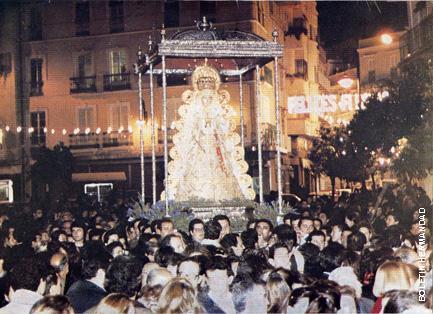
<point>355,255</point>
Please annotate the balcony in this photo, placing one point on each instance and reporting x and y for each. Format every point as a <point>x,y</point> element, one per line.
<point>83,84</point>
<point>36,88</point>
<point>418,38</point>
<point>101,140</point>
<point>114,82</point>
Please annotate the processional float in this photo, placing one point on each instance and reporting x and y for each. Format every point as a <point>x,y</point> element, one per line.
<point>249,52</point>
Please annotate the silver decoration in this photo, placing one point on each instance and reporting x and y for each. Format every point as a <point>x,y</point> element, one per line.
<point>152,115</point>
<point>259,134</point>
<point>241,109</point>
<point>277,114</point>
<point>164,122</point>
<point>140,101</point>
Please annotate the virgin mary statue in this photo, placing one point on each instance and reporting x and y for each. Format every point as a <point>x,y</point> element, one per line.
<point>207,161</point>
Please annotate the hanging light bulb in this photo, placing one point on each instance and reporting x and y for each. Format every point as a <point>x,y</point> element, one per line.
<point>64,132</point>
<point>45,130</point>
<point>109,130</point>
<point>120,129</point>
<point>87,131</point>
<point>53,131</point>
<point>30,130</point>
<point>129,129</point>
<point>19,129</point>
<point>343,153</point>
<point>98,130</point>
<point>7,128</point>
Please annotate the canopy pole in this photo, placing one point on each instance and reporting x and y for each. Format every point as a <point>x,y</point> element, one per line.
<point>259,134</point>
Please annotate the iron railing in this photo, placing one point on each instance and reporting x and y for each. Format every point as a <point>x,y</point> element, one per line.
<point>83,84</point>
<point>113,82</point>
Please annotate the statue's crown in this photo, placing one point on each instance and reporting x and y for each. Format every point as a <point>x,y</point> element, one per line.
<point>205,77</point>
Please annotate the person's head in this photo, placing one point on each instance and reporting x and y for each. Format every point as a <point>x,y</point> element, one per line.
<point>175,241</point>
<point>279,256</point>
<point>232,244</point>
<point>196,229</point>
<point>115,303</point>
<point>391,219</point>
<point>351,219</point>
<point>224,222</point>
<point>78,232</point>
<point>168,258</point>
<point>264,228</point>
<point>190,269</point>
<point>398,301</point>
<point>178,296</point>
<point>306,225</point>
<point>249,238</point>
<point>337,233</point>
<point>356,241</point>
<point>365,228</point>
<point>59,262</point>
<point>346,232</point>
<point>116,248</point>
<point>407,255</point>
<point>52,304</point>
<point>248,296</point>
<point>285,234</point>
<point>324,218</point>
<point>394,275</point>
<point>167,227</point>
<point>317,238</point>
<point>123,275</point>
<point>277,293</point>
<point>212,230</point>
<point>110,236</point>
<point>217,276</point>
<point>317,223</point>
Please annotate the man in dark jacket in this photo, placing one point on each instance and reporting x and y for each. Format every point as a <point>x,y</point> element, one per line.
<point>85,294</point>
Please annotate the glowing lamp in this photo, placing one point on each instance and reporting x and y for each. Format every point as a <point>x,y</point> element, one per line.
<point>19,129</point>
<point>109,130</point>
<point>53,131</point>
<point>87,131</point>
<point>64,132</point>
<point>98,130</point>
<point>345,82</point>
<point>386,39</point>
<point>129,129</point>
<point>7,128</point>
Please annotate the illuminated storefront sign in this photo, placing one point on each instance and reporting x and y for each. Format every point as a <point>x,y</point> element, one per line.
<point>329,103</point>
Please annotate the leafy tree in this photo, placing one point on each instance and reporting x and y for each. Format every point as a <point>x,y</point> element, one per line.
<point>52,172</point>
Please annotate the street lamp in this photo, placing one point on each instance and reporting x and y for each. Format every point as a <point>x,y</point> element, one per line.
<point>345,82</point>
<point>386,39</point>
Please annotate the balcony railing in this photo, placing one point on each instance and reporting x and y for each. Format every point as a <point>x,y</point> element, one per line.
<point>420,37</point>
<point>83,84</point>
<point>101,140</point>
<point>113,82</point>
<point>36,88</point>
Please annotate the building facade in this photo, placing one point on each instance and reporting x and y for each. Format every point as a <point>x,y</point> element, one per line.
<point>78,85</point>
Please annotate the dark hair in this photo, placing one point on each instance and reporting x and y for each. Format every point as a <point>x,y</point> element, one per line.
<point>216,262</point>
<point>165,241</point>
<point>96,232</point>
<point>312,266</point>
<point>400,300</point>
<point>315,233</point>
<point>331,257</point>
<point>193,222</point>
<point>107,235</point>
<point>123,275</point>
<point>26,274</point>
<point>221,217</point>
<point>304,218</point>
<point>291,216</point>
<point>241,285</point>
<point>201,260</point>
<point>212,230</point>
<point>286,235</point>
<point>110,247</point>
<point>52,304</point>
<point>249,238</point>
<point>162,221</point>
<point>356,241</point>
<point>277,245</point>
<point>228,241</point>
<point>317,219</point>
<point>166,256</point>
<point>323,303</point>
<point>271,226</point>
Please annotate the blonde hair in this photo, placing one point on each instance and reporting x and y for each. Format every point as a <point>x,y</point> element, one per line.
<point>115,303</point>
<point>277,293</point>
<point>178,296</point>
<point>394,275</point>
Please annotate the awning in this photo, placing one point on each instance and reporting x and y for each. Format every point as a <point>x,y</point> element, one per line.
<point>98,176</point>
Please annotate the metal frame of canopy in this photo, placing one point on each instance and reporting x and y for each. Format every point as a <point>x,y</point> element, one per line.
<point>250,52</point>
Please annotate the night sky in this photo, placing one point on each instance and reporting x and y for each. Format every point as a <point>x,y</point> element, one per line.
<point>343,20</point>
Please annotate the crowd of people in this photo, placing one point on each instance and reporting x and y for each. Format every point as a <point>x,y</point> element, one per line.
<point>352,256</point>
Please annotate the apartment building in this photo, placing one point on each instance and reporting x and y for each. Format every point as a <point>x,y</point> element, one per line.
<point>81,90</point>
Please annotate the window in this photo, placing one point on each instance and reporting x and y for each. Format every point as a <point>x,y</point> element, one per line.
<point>208,9</point>
<point>117,61</point>
<point>82,18</point>
<point>85,118</point>
<point>268,75</point>
<point>38,123</point>
<point>372,76</point>
<point>119,116</point>
<point>171,13</point>
<point>5,63</point>
<point>84,65</point>
<point>36,81</point>
<point>301,68</point>
<point>116,16</point>
<point>35,24</point>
